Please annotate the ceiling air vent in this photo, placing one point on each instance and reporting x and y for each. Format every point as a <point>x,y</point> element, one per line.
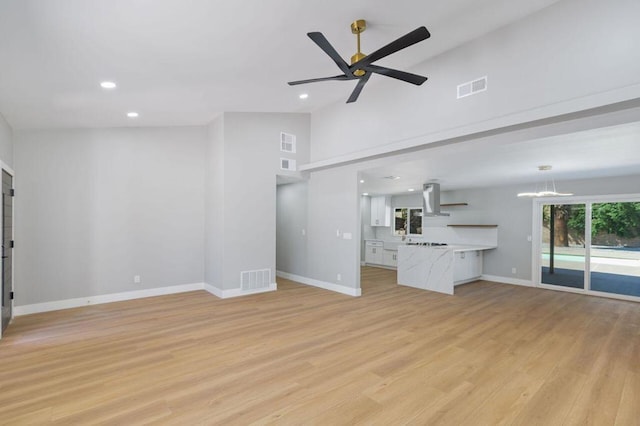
<point>288,164</point>
<point>472,87</point>
<point>287,142</point>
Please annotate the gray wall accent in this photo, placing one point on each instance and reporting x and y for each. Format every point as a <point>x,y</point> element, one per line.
<point>251,160</point>
<point>291,220</point>
<point>96,207</point>
<point>552,62</point>
<point>214,204</point>
<point>334,204</point>
<point>6,142</point>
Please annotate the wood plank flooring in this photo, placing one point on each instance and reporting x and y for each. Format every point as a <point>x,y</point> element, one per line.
<point>491,354</point>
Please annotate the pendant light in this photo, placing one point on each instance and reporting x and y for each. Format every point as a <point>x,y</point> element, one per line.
<point>549,190</point>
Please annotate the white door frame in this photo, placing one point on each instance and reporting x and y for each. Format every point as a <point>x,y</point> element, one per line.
<point>537,240</point>
<point>6,168</point>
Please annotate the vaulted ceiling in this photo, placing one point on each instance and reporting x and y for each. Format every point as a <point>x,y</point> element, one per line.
<point>183,62</point>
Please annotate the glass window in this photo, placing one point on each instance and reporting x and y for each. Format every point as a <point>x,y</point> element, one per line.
<point>407,221</point>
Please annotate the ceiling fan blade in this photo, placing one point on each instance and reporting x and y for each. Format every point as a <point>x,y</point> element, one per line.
<point>356,92</point>
<point>314,80</point>
<point>415,36</point>
<point>324,44</point>
<point>400,75</point>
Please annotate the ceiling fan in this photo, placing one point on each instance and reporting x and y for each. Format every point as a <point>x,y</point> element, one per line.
<point>362,65</point>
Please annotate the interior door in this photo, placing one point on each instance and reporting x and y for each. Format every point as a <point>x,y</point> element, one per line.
<point>7,249</point>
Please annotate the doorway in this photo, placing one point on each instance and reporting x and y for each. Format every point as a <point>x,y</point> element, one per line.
<point>7,248</point>
<point>589,245</point>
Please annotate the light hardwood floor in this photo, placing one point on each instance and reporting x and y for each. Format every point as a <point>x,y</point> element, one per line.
<point>491,354</point>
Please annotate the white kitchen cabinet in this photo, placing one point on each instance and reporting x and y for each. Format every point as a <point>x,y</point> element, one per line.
<point>381,211</point>
<point>390,258</point>
<point>467,266</point>
<point>374,252</point>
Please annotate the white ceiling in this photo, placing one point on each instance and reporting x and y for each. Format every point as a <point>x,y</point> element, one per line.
<point>183,62</point>
<point>604,152</point>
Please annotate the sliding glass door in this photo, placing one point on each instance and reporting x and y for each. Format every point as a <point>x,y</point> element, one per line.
<point>615,248</point>
<point>592,246</point>
<point>563,245</point>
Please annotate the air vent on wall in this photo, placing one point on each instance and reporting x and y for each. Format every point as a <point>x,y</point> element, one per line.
<point>288,164</point>
<point>287,142</point>
<point>252,280</point>
<point>472,87</point>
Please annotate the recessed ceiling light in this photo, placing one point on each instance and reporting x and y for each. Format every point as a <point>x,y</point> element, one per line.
<point>361,180</point>
<point>410,189</point>
<point>108,85</point>
<point>132,114</point>
<point>304,95</point>
<point>365,193</point>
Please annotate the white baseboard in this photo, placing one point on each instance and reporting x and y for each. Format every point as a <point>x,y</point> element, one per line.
<point>104,298</point>
<point>236,292</point>
<point>321,284</point>
<point>507,280</point>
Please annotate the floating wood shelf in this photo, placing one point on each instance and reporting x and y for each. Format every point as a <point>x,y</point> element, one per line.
<point>453,204</point>
<point>474,226</point>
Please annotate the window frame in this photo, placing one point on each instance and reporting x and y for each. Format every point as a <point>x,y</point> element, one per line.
<point>407,228</point>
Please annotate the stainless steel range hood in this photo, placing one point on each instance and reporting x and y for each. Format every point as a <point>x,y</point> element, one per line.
<point>431,200</point>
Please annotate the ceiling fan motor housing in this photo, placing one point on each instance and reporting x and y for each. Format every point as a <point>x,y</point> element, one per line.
<point>358,27</point>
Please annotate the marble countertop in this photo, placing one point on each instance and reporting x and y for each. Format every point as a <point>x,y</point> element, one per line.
<point>461,247</point>
<point>392,245</point>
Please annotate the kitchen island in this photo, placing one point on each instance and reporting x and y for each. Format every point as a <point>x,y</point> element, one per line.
<point>439,268</point>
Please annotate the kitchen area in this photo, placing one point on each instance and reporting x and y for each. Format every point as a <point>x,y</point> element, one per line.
<point>413,235</point>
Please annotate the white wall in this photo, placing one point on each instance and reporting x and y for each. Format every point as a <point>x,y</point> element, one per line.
<point>6,142</point>
<point>214,204</point>
<point>573,55</point>
<point>334,206</point>
<point>327,206</point>
<point>251,161</point>
<point>96,207</point>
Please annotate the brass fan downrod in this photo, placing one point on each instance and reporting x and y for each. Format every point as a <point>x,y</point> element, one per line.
<point>357,28</point>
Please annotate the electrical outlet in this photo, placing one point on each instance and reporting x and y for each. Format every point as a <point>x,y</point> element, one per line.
<point>513,270</point>
<point>339,277</point>
<point>136,279</point>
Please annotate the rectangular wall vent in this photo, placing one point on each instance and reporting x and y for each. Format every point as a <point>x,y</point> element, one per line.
<point>287,142</point>
<point>288,164</point>
<point>472,87</point>
<point>253,280</point>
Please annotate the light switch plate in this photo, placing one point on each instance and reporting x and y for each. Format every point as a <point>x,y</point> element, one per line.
<point>347,235</point>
